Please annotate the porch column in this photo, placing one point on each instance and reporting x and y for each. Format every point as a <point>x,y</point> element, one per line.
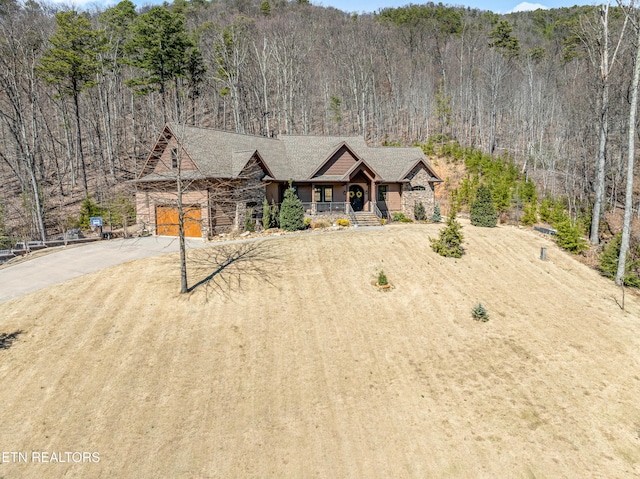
<point>372,196</point>
<point>346,198</point>
<point>314,207</point>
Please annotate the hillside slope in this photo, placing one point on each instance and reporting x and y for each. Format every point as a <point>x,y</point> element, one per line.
<point>318,374</point>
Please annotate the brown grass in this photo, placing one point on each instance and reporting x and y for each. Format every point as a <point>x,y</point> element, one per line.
<point>318,374</point>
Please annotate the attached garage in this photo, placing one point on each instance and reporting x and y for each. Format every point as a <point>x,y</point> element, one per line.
<point>167,221</point>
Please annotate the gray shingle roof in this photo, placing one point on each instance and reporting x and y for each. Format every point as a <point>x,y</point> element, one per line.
<point>223,154</point>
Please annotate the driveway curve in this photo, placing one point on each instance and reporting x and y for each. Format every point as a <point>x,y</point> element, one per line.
<point>71,262</point>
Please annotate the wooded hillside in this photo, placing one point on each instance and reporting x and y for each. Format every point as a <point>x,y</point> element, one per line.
<point>84,94</point>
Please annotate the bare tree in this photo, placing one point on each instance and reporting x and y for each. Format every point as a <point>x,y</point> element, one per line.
<point>596,40</point>
<point>628,203</point>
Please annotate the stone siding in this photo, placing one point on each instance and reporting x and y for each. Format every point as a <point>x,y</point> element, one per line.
<point>418,177</point>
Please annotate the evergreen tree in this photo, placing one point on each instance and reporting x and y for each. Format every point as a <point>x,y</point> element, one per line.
<point>88,208</point>
<point>163,50</point>
<point>501,38</point>
<point>569,236</point>
<point>275,215</point>
<point>530,214</point>
<point>449,244</point>
<point>291,211</point>
<point>436,217</point>
<point>266,214</point>
<point>483,211</point>
<point>609,263</point>
<point>71,64</point>
<point>265,7</point>
<point>419,212</point>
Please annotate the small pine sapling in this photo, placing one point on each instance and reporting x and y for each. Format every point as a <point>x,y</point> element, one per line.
<point>436,217</point>
<point>449,244</point>
<point>479,313</point>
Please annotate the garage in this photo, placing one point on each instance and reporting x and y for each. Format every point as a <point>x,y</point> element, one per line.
<point>167,221</point>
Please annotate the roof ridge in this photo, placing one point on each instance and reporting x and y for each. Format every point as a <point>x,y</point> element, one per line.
<point>207,128</point>
<point>321,136</point>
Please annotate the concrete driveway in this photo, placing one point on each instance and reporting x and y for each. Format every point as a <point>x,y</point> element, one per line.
<point>71,262</point>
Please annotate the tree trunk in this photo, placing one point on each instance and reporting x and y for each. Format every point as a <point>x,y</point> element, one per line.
<point>628,202</point>
<point>76,104</point>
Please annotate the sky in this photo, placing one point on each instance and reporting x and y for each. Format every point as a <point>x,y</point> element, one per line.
<point>497,6</point>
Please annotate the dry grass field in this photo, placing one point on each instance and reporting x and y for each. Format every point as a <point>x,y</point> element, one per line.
<point>307,370</point>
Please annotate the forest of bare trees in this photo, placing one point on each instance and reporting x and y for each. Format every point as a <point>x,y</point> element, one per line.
<point>83,94</point>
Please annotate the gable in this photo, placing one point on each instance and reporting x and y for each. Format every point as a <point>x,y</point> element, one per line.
<point>338,164</point>
<point>165,160</point>
<point>421,173</point>
<point>360,177</point>
<point>254,168</point>
<point>161,159</point>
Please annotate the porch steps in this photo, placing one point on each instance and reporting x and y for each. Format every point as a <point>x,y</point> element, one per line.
<point>366,219</point>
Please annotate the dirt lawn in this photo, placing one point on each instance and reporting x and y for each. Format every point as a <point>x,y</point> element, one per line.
<point>316,373</point>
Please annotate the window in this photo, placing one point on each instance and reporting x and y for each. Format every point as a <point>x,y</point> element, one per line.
<point>174,158</point>
<point>382,192</point>
<point>418,188</point>
<point>322,194</point>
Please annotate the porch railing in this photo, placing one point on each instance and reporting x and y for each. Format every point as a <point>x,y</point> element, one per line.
<point>376,210</point>
<point>352,214</point>
<point>337,207</point>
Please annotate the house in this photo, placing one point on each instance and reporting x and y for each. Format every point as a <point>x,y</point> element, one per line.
<point>224,175</point>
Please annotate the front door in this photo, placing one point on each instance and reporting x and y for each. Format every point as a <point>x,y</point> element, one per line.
<point>356,197</point>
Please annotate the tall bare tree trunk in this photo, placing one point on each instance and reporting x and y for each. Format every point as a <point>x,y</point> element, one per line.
<point>628,201</point>
<point>76,104</point>
<point>605,71</point>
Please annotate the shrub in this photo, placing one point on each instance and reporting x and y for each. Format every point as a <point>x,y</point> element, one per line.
<point>483,211</point>
<point>291,211</point>
<point>249,223</point>
<point>479,313</point>
<point>382,278</point>
<point>307,222</point>
<point>343,222</point>
<point>436,217</point>
<point>419,212</point>
<point>321,223</point>
<point>400,217</point>
<point>266,214</point>
<point>609,263</point>
<point>449,244</point>
<point>275,215</point>
<point>569,236</point>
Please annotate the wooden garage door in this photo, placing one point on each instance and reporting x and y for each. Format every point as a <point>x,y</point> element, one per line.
<point>167,221</point>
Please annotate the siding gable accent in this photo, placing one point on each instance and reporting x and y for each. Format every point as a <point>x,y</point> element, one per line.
<point>361,167</point>
<point>156,152</point>
<point>159,160</point>
<point>339,162</point>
